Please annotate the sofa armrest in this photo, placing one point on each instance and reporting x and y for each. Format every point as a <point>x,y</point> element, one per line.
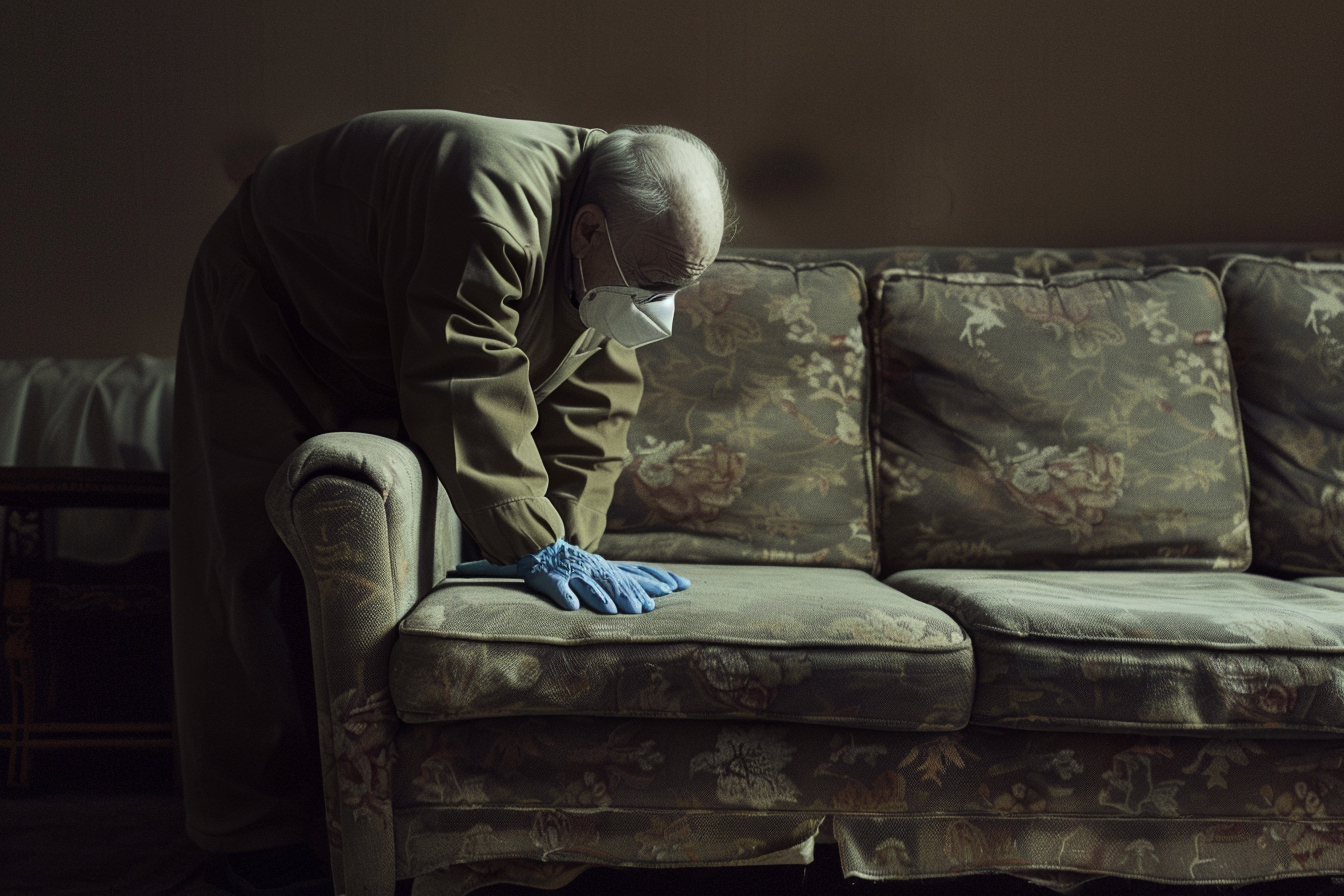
<point>372,531</point>
<point>422,528</point>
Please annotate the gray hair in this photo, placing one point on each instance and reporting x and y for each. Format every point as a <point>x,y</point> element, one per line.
<point>632,176</point>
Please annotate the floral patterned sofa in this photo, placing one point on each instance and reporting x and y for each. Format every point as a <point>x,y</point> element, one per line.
<point>1019,561</point>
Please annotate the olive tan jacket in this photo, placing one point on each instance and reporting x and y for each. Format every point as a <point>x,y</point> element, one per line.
<point>422,261</point>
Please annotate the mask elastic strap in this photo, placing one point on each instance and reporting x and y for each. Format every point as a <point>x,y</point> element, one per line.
<point>611,244</point>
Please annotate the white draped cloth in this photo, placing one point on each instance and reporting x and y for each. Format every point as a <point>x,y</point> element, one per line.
<point>112,413</point>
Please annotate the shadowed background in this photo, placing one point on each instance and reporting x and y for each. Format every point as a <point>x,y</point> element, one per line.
<point>845,123</point>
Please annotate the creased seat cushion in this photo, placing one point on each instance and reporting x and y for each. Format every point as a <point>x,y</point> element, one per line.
<point>801,644</point>
<point>1153,651</point>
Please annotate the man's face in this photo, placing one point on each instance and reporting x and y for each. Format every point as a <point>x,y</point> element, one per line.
<point>650,257</point>
<point>631,313</point>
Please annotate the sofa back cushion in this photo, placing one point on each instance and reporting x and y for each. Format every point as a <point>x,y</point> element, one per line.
<point>1081,421</point>
<point>1286,332</point>
<point>753,443</point>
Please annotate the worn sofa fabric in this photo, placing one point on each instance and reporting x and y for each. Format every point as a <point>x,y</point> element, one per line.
<point>371,529</point>
<point>1178,809</point>
<point>534,797</point>
<point>900,804</point>
<point>1286,330</point>
<point>1177,653</point>
<point>1082,421</point>
<point>752,443</point>
<point>808,645</point>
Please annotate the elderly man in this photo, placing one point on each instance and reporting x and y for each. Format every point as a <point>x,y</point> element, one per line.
<point>474,285</point>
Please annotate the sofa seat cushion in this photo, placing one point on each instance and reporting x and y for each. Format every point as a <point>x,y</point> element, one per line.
<point>808,645</point>
<point>1197,653</point>
<point>1085,421</point>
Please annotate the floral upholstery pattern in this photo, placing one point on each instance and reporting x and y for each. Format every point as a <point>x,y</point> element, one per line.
<point>1286,330</point>
<point>352,508</point>
<point>535,798</point>
<point>768,642</point>
<point>901,804</point>
<point>752,443</point>
<point>1209,653</point>
<point>1084,421</point>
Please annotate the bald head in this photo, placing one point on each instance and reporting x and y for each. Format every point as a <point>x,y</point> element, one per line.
<point>664,185</point>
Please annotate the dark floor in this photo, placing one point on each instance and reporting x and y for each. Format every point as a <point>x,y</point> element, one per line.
<point>73,836</point>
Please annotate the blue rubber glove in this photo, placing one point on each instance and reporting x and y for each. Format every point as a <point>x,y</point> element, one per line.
<point>651,577</point>
<point>655,581</point>
<point>570,575</point>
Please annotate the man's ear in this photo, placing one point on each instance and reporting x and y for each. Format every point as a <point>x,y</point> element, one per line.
<point>587,221</point>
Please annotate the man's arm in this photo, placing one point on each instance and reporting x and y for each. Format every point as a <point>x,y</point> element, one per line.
<point>581,431</point>
<point>464,390</point>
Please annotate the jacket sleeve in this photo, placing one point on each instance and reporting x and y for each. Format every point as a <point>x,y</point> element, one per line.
<point>464,390</point>
<point>582,431</point>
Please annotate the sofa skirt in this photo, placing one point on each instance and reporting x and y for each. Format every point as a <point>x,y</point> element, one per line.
<point>512,799</point>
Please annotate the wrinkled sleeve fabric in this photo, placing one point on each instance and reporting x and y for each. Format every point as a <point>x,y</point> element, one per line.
<point>581,431</point>
<point>464,390</point>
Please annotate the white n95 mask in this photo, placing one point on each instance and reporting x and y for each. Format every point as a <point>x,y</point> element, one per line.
<point>631,316</point>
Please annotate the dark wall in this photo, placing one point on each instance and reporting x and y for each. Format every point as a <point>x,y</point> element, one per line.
<point>844,123</point>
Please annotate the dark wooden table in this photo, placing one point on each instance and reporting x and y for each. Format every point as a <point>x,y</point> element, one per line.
<point>38,601</point>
